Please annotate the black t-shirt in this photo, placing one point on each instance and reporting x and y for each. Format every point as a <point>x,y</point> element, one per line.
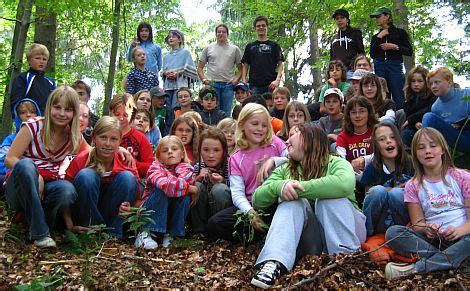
<point>262,56</point>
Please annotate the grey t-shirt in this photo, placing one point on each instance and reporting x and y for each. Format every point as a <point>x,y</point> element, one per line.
<point>221,61</point>
<point>331,126</point>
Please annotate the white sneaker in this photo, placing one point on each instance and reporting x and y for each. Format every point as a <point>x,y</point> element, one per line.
<point>397,270</point>
<point>144,240</point>
<point>45,242</point>
<point>167,238</point>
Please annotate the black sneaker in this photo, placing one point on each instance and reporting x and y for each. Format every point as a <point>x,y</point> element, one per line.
<point>267,275</point>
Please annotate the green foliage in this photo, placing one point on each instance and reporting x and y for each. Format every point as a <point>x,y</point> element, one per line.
<point>244,229</point>
<point>87,242</point>
<point>138,219</point>
<point>44,283</point>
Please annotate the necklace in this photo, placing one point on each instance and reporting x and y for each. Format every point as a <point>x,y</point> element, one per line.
<point>360,133</point>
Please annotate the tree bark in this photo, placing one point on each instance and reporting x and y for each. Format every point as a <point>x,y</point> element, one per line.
<point>23,13</point>
<point>112,59</point>
<point>314,56</point>
<point>45,32</point>
<point>400,19</point>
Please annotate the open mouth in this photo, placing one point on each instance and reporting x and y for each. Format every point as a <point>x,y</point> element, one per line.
<point>390,149</point>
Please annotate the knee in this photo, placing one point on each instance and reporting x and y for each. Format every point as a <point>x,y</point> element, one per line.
<point>220,191</point>
<point>329,205</point>
<point>25,166</point>
<point>68,193</point>
<point>393,232</point>
<point>376,192</point>
<point>127,179</point>
<point>429,119</point>
<point>395,196</point>
<point>86,178</point>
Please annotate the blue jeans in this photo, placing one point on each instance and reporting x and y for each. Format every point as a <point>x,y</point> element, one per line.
<point>170,100</point>
<point>169,213</point>
<point>384,208</point>
<point>259,90</point>
<point>435,254</point>
<point>450,133</point>
<point>22,194</point>
<point>99,203</point>
<point>225,93</point>
<point>392,72</point>
<point>407,136</point>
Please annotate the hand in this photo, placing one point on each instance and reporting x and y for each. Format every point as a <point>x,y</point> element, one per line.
<point>388,46</point>
<point>358,164</point>
<point>383,33</point>
<point>257,221</point>
<point>452,233</point>
<point>215,178</point>
<point>455,125</point>
<point>289,192</point>
<point>126,157</point>
<point>206,81</point>
<point>265,170</point>
<point>405,125</point>
<point>135,42</point>
<point>171,74</point>
<point>193,195</point>
<point>332,136</point>
<point>274,84</point>
<point>123,208</point>
<point>418,125</point>
<point>80,229</point>
<point>431,230</point>
<point>332,83</point>
<point>234,82</point>
<point>41,187</point>
<point>204,173</point>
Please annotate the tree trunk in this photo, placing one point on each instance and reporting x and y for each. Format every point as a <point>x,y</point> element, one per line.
<point>314,56</point>
<point>45,32</point>
<point>112,59</point>
<point>23,15</point>
<point>400,19</point>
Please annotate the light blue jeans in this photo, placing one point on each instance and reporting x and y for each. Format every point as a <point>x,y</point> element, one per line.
<point>22,194</point>
<point>224,91</point>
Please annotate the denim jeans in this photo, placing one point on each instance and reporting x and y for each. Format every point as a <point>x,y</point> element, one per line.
<point>170,99</point>
<point>435,254</point>
<point>22,194</point>
<point>209,203</point>
<point>384,208</point>
<point>99,203</point>
<point>225,94</point>
<point>169,213</point>
<point>450,133</point>
<point>259,90</point>
<point>407,136</point>
<point>392,72</point>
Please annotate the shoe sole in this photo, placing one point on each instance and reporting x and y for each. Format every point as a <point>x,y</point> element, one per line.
<point>260,284</point>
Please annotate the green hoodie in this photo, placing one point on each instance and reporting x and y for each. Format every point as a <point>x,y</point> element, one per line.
<point>339,182</point>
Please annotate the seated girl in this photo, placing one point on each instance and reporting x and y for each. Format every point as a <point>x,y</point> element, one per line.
<point>187,130</point>
<point>228,125</point>
<point>296,113</point>
<point>371,88</point>
<point>143,121</point>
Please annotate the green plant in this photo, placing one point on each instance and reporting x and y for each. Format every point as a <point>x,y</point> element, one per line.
<point>244,229</point>
<point>44,283</point>
<point>138,219</point>
<point>87,242</point>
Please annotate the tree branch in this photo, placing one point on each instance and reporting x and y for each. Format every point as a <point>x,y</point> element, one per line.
<point>10,19</point>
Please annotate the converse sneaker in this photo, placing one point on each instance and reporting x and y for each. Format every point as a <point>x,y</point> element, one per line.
<point>267,275</point>
<point>167,238</point>
<point>397,270</point>
<point>45,242</point>
<point>144,240</point>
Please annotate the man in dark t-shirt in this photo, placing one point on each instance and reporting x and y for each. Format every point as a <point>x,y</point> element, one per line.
<point>261,59</point>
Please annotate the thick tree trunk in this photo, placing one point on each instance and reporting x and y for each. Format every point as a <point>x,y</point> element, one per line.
<point>45,32</point>
<point>112,59</point>
<point>400,19</point>
<point>314,56</point>
<point>23,16</point>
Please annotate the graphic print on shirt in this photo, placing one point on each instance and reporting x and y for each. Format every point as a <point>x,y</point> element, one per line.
<point>264,48</point>
<point>359,149</point>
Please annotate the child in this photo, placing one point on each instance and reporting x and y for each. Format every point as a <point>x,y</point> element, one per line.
<point>210,114</point>
<point>84,91</point>
<point>143,99</point>
<point>178,66</point>
<point>258,99</point>
<point>187,130</point>
<point>438,202</point>
<point>384,179</point>
<point>418,101</point>
<point>370,87</point>
<point>256,143</point>
<point>185,102</point>
<point>450,112</point>
<point>228,125</point>
<point>122,107</point>
<point>268,97</point>
<point>34,159</point>
<point>170,182</point>
<point>139,77</point>
<point>333,123</point>
<point>296,113</point>
<point>281,96</point>
<point>336,78</point>
<point>24,110</point>
<point>102,180</point>
<point>143,121</point>
<point>33,84</point>
<point>296,230</point>
<point>153,51</point>
<point>355,79</point>
<point>212,180</point>
<point>362,62</point>
<point>161,111</point>
<point>242,91</point>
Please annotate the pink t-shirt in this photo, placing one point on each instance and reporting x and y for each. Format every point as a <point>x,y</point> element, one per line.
<point>442,204</point>
<point>246,164</point>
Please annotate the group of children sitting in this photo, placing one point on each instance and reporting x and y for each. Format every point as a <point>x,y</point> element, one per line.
<point>306,175</point>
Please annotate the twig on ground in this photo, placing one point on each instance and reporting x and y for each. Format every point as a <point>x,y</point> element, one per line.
<point>144,259</point>
<point>367,282</point>
<point>61,262</point>
<point>317,274</point>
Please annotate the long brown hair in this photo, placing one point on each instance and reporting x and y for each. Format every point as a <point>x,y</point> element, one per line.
<point>372,78</point>
<point>316,154</point>
<point>191,123</point>
<point>363,102</point>
<point>407,88</point>
<point>212,132</point>
<point>293,106</point>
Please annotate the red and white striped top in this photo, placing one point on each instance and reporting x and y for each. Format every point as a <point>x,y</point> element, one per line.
<point>47,162</point>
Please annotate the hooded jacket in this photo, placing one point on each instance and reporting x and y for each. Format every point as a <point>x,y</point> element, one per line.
<point>346,45</point>
<point>212,117</point>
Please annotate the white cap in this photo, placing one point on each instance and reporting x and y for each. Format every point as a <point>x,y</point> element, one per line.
<point>334,91</point>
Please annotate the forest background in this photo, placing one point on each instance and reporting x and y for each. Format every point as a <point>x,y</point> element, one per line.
<point>88,39</point>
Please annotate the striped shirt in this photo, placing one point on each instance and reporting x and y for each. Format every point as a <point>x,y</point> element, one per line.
<point>47,162</point>
<point>175,183</point>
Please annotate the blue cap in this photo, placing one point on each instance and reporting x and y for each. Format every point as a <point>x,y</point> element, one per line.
<point>243,86</point>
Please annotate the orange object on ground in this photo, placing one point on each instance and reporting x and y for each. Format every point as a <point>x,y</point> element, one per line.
<point>385,254</point>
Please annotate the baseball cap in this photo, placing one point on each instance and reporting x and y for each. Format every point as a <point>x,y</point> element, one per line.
<point>334,91</point>
<point>157,92</point>
<point>380,11</point>
<point>343,12</point>
<point>358,74</point>
<point>243,86</point>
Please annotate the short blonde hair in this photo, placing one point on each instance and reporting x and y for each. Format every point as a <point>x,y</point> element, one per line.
<point>36,49</point>
<point>247,112</point>
<point>171,139</point>
<point>282,91</point>
<point>226,123</point>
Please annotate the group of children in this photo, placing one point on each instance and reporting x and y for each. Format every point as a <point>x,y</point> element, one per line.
<point>192,165</point>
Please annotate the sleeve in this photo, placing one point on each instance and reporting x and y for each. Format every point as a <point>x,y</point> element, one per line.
<point>418,115</point>
<point>463,181</point>
<point>341,146</point>
<point>237,187</point>
<point>162,178</point>
<point>203,57</point>
<point>238,55</point>
<point>185,171</point>
<point>268,193</point>
<point>389,115</point>
<point>344,87</point>
<point>75,166</point>
<point>246,55</point>
<point>279,55</point>
<point>322,93</point>
<point>411,192</point>
<point>159,58</point>
<point>375,46</point>
<point>131,86</point>
<point>129,53</point>
<point>368,176</point>
<point>360,43</point>
<point>405,46</point>
<point>17,90</point>
<point>146,156</point>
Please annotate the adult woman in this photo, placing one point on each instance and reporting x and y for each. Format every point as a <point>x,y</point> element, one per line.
<point>387,48</point>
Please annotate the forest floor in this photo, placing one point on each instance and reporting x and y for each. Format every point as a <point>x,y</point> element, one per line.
<point>82,261</point>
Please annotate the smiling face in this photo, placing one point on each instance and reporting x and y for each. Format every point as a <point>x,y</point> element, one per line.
<point>256,129</point>
<point>429,153</point>
<point>363,64</point>
<point>295,117</point>
<point>141,122</point>
<point>107,144</point>
<point>241,95</point>
<point>171,154</point>
<point>84,117</point>
<point>211,152</point>
<point>387,142</point>
<point>229,136</point>
<point>418,83</point>
<point>184,99</point>
<point>184,132</point>
<point>369,90</point>
<point>359,115</point>
<point>280,101</point>
<point>295,145</point>
<point>144,100</point>
<point>439,85</point>
<point>61,114</point>
<point>332,105</point>
<point>261,28</point>
<point>38,62</point>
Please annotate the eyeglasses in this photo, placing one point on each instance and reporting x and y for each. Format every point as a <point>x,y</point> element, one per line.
<point>298,115</point>
<point>360,112</point>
